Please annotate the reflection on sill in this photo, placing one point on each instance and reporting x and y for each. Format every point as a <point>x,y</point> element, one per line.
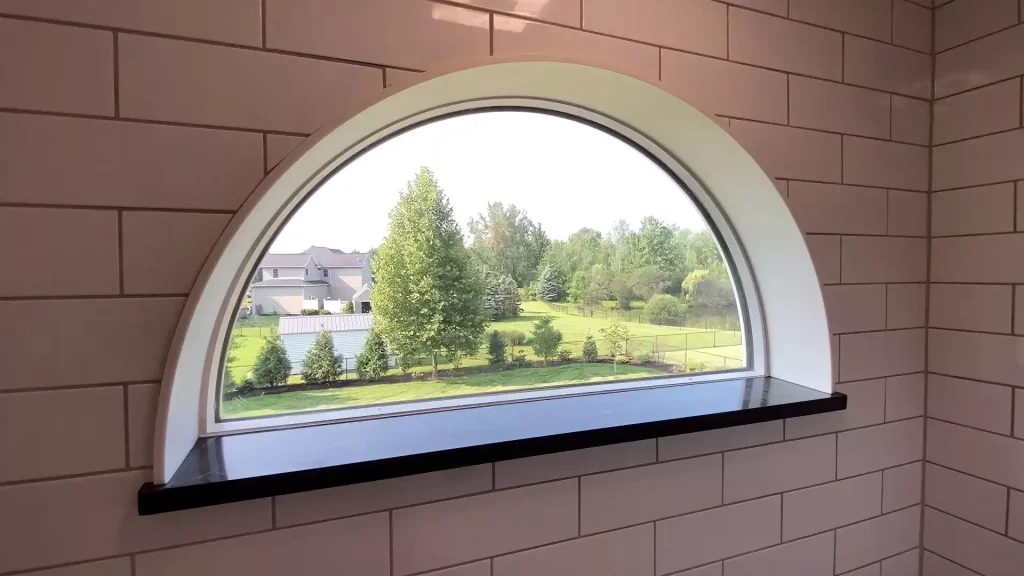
<point>256,465</point>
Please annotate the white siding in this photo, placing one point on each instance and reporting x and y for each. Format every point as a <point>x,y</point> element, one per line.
<point>277,299</point>
<point>348,344</point>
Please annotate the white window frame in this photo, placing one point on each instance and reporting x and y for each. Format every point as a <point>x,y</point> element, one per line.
<point>784,304</point>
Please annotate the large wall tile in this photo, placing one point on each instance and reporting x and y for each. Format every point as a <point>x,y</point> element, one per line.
<point>932,565</point>
<point>175,81</point>
<point>960,22</point>
<point>619,553</point>
<point>978,259</point>
<point>142,405</point>
<point>305,507</point>
<point>984,160</point>
<point>983,111</point>
<point>56,68</point>
<point>877,538</point>
<point>1015,527</point>
<point>785,152</point>
<point>808,556</point>
<point>911,26</point>
<point>981,210</point>
<point>911,119</point>
<point>831,505</point>
<point>726,88</point>
<point>966,497</point>
<point>695,539</point>
<point>879,447</point>
<point>835,209</point>
<point>278,147</point>
<point>989,357</point>
<point>877,354</point>
<point>784,45</point>
<point>985,61</point>
<point>776,468</point>
<point>112,567</point>
<point>855,308</point>
<point>825,254</point>
<point>53,265</point>
<point>986,552</point>
<point>901,486</point>
<point>983,454</point>
<point>232,21</point>
<point>872,18</point>
<point>980,307</point>
<point>59,433</point>
<point>974,404</point>
<point>359,544</point>
<point>838,108</point>
<point>884,164</point>
<point>905,306</point>
<point>697,443</point>
<point>908,213</point>
<point>906,564</point>
<point>521,471</point>
<point>692,25</point>
<point>99,341</point>
<point>481,568</point>
<point>904,396</point>
<point>455,531</point>
<point>107,163</point>
<point>164,251</point>
<point>887,67</point>
<point>417,35</point>
<point>865,406</point>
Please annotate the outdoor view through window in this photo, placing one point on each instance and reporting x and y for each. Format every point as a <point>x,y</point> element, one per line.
<point>490,252</point>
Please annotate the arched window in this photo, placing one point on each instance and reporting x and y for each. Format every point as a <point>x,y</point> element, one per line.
<point>614,238</point>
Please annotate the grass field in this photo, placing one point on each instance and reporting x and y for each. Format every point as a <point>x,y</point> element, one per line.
<point>363,394</point>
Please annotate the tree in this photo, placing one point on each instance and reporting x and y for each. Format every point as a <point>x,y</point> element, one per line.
<point>654,244</point>
<point>578,288</point>
<point>505,240</point>
<point>589,349</point>
<point>496,349</point>
<point>617,336</point>
<point>372,362</point>
<point>546,339</point>
<point>502,296</point>
<point>347,308</point>
<point>514,338</point>
<point>428,296</point>
<point>623,293</point>
<point>663,308</point>
<point>272,364</point>
<point>321,363</point>
<point>551,285</point>
<point>709,289</point>
<point>648,281</point>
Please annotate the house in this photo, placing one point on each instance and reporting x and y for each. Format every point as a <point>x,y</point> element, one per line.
<point>315,278</point>
<point>349,332</point>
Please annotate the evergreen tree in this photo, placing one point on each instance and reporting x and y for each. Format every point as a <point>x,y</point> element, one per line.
<point>589,350</point>
<point>509,297</point>
<point>372,362</point>
<point>272,364</point>
<point>347,308</point>
<point>546,339</point>
<point>493,296</point>
<point>321,363</point>
<point>496,349</point>
<point>551,285</point>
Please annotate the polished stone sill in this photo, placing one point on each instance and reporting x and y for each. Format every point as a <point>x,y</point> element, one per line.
<point>255,465</point>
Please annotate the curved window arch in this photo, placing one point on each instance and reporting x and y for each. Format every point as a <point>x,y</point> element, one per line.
<point>776,291</point>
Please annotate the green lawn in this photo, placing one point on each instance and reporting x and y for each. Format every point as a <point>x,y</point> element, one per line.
<point>363,394</point>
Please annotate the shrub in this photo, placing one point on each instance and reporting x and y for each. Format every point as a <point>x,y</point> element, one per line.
<point>643,356</point>
<point>406,362</point>
<point>528,293</point>
<point>622,359</point>
<point>589,350</point>
<point>325,312</point>
<point>272,364</point>
<point>514,338</point>
<point>564,354</point>
<point>546,339</point>
<point>662,308</point>
<point>348,308</point>
<point>617,336</point>
<point>321,363</point>
<point>372,362</point>
<point>496,349</point>
<point>309,312</point>
<point>518,359</point>
<point>697,367</point>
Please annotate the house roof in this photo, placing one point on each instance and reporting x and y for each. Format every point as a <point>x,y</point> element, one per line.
<point>331,323</point>
<point>366,289</point>
<point>334,258</point>
<point>285,260</point>
<point>289,282</point>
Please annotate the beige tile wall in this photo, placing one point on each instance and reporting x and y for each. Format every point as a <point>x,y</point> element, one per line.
<point>132,130</point>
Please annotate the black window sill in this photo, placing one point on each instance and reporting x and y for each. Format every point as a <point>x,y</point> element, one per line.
<point>256,465</point>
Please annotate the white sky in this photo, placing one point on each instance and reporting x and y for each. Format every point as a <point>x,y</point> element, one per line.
<point>565,174</point>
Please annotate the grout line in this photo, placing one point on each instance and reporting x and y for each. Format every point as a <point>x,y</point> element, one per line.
<point>71,298</point>
<point>974,428</point>
<point>659,64</point>
<point>842,54</point>
<point>826,131</point>
<point>976,525</point>
<point>93,474</point>
<point>120,251</point>
<point>131,562</point>
<point>927,290</point>
<point>728,11</point>
<point>384,78</point>
<point>1013,412</point>
<point>490,32</point>
<point>581,14</point>
<point>266,151</point>
<point>263,22</point>
<point>391,542</point>
<point>579,505</point>
<point>71,387</point>
<point>117,82</point>
<point>112,208</point>
<point>977,136</point>
<point>990,382</point>
<point>880,236</point>
<point>972,40</point>
<point>127,435</point>
<point>934,553</point>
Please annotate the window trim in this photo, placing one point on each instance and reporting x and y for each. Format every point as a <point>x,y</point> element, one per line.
<point>801,352</point>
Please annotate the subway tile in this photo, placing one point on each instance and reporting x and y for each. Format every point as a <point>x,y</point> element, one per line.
<point>974,404</point>
<point>966,497</point>
<point>513,37</point>
<point>911,26</point>
<point>879,447</point>
<point>784,152</point>
<point>708,441</point>
<point>978,259</point>
<point>170,80</point>
<point>911,119</point>
<point>904,396</point>
<point>481,568</point>
<point>278,147</point>
<point>825,254</point>
<point>906,564</point>
<point>808,556</point>
<point>77,519</point>
<point>901,487</point>
<point>988,357</point>
<point>435,535</point>
<point>855,308</point>
<point>775,468</point>
<point>695,539</point>
<point>784,45</point>
<point>908,213</point>
<point>163,252</point>
<point>88,265</point>
<point>980,307</point>
<point>635,495</point>
<point>835,209</point>
<point>112,567</point>
<point>306,507</point>
<point>619,553</point>
<point>982,210</point>
<point>872,18</point>
<point>983,454</point>
<point>726,88</point>
<point>558,11</point>
<point>884,164</point>
<point>142,406</point>
<point>1015,527</point>
<point>99,340</point>
<point>887,67</point>
<point>878,538</point>
<point>983,111</point>
<point>417,35</point>
<point>359,544</point>
<point>960,22</point>
<point>905,306</point>
<point>932,565</point>
<point>984,160</point>
<point>59,433</point>
<point>831,505</point>
<point>124,164</point>
<point>231,21</point>
<point>984,61</point>
<point>692,25</point>
<point>56,68</point>
<point>865,406</point>
<point>986,552</point>
<point>535,469</point>
<point>877,354</point>
<point>838,108</point>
